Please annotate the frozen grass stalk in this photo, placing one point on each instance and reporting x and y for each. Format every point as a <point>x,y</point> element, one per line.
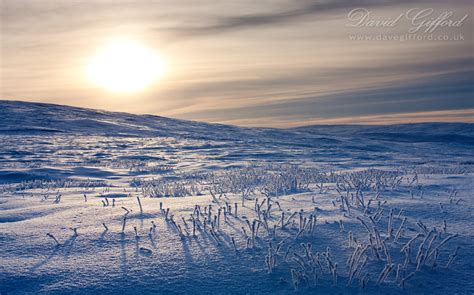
<point>74,229</point>
<point>390,221</point>
<point>397,278</point>
<point>442,243</point>
<point>452,256</point>
<point>384,274</point>
<point>140,205</point>
<point>54,238</point>
<point>123,224</point>
<point>400,230</point>
<point>404,280</point>
<point>233,243</point>
<point>400,213</point>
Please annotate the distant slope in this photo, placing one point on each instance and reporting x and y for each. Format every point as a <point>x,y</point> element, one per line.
<point>40,118</point>
<point>36,118</point>
<point>462,133</point>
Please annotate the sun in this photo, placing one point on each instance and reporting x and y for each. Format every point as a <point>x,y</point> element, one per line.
<point>125,66</point>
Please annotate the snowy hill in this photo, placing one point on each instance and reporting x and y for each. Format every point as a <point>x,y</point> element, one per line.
<point>217,143</point>
<point>114,203</point>
<point>458,133</point>
<point>27,117</point>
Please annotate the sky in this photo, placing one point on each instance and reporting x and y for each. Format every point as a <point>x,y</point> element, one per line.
<point>278,63</point>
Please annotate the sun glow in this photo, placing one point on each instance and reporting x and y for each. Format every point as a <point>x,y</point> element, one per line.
<point>125,66</point>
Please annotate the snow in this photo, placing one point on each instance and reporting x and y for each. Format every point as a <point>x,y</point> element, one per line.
<point>63,168</point>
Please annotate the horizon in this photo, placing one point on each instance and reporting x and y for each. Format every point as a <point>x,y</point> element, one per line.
<point>270,64</point>
<point>468,113</point>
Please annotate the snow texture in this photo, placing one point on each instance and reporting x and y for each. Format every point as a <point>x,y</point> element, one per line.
<point>111,203</point>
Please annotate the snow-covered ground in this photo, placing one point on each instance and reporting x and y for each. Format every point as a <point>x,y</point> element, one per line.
<point>98,202</point>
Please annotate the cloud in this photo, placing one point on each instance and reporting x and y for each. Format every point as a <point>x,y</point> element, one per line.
<point>230,23</point>
<point>307,86</point>
<point>464,115</point>
<point>289,14</point>
<point>460,116</point>
<point>434,93</point>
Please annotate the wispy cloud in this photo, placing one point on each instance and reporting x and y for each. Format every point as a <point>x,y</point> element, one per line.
<point>464,115</point>
<point>280,15</point>
<point>459,116</point>
<point>434,93</point>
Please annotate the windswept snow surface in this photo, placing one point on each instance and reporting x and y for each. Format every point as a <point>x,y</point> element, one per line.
<point>352,198</point>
